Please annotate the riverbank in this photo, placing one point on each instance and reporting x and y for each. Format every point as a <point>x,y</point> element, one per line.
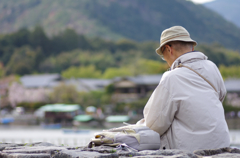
<point>71,137</point>
<point>27,134</point>
<point>48,150</point>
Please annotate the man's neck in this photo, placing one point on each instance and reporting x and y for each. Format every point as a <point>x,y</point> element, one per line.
<point>178,54</point>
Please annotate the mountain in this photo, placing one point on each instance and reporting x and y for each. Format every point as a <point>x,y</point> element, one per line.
<point>138,20</point>
<point>229,9</point>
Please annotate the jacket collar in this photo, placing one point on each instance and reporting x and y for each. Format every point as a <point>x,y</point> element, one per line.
<point>188,57</point>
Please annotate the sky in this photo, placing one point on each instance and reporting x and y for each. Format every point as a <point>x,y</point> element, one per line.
<point>201,1</point>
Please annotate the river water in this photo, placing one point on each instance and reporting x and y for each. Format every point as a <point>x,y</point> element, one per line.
<point>65,137</point>
<point>54,136</point>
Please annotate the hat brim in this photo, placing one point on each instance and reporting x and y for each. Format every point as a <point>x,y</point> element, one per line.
<point>184,39</point>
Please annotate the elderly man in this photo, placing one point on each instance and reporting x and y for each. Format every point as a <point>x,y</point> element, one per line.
<point>186,107</point>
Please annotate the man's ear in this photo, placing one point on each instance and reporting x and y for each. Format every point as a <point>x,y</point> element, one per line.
<point>170,49</point>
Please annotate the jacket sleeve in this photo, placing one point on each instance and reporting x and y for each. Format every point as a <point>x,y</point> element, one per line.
<point>222,88</point>
<point>160,110</point>
<point>222,94</point>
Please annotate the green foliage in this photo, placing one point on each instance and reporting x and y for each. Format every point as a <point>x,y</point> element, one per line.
<point>69,95</point>
<point>109,89</point>
<point>117,72</point>
<point>2,71</point>
<point>38,38</point>
<point>126,45</point>
<point>148,48</point>
<point>137,67</point>
<point>101,59</point>
<point>94,98</point>
<point>19,38</point>
<point>68,40</point>
<point>82,72</point>
<point>220,55</point>
<point>65,94</point>
<point>144,66</point>
<point>60,62</point>
<point>137,106</point>
<point>6,53</point>
<point>30,106</point>
<point>230,11</point>
<point>228,108</point>
<point>138,20</point>
<point>230,72</point>
<point>23,61</point>
<point>73,55</point>
<point>113,151</point>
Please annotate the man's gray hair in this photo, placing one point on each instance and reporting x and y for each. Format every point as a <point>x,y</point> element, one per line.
<point>181,45</point>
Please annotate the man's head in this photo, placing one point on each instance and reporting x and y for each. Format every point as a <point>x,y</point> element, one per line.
<point>174,42</point>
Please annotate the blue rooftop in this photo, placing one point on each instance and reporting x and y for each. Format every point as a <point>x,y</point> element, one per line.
<point>142,79</point>
<point>43,80</point>
<point>88,84</point>
<point>232,85</point>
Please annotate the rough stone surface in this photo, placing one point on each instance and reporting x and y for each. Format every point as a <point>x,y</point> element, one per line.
<point>47,150</point>
<point>223,152</point>
<point>4,145</point>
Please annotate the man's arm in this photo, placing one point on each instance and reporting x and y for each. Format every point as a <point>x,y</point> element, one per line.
<point>160,110</point>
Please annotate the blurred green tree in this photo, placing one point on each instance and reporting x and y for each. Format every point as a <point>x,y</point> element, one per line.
<point>145,66</point>
<point>69,40</point>
<point>220,55</point>
<point>82,72</point>
<point>65,94</point>
<point>230,72</point>
<point>23,61</point>
<point>38,39</point>
<point>20,38</point>
<point>117,72</point>
<point>126,45</point>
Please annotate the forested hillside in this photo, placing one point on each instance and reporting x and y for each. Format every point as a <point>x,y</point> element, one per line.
<point>229,9</point>
<point>25,52</point>
<point>138,20</point>
<point>73,55</point>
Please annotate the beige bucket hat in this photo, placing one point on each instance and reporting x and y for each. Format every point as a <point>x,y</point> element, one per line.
<point>175,33</point>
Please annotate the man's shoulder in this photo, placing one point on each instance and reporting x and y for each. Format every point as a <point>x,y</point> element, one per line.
<point>171,75</point>
<point>174,72</point>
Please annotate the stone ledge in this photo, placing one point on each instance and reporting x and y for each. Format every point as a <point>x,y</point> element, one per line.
<point>48,150</point>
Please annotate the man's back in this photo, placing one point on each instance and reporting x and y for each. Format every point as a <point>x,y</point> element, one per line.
<point>189,113</point>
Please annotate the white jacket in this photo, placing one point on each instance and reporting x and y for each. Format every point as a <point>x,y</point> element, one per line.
<point>185,110</point>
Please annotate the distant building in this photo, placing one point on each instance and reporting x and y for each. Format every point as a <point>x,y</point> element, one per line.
<point>232,85</point>
<point>4,90</point>
<point>33,88</point>
<point>58,113</point>
<point>127,89</point>
<point>40,81</point>
<point>36,88</point>
<point>233,92</point>
<point>88,84</point>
